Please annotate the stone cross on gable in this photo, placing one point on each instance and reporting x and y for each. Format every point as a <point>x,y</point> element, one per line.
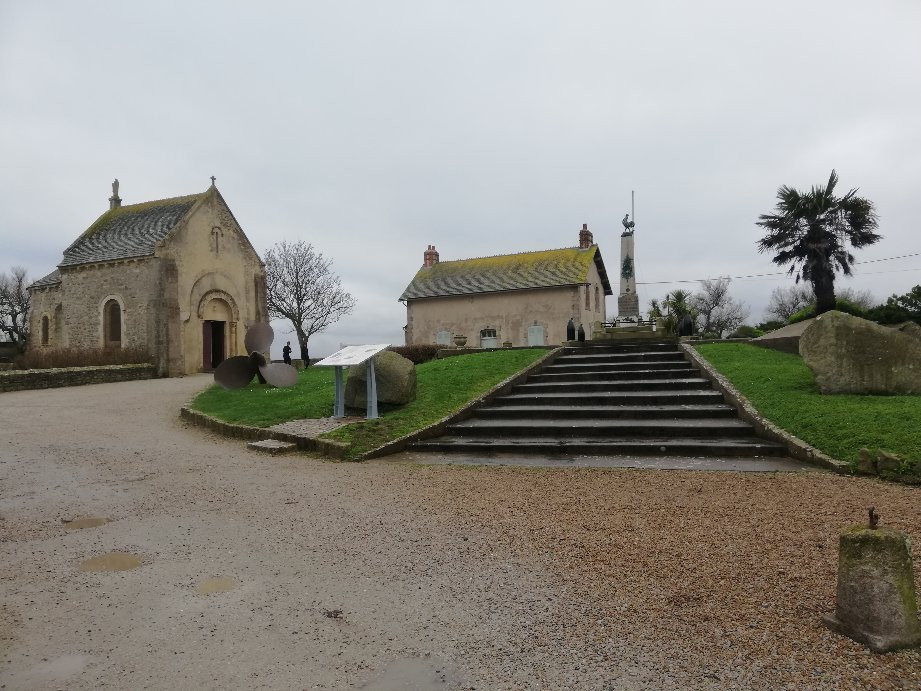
<point>217,233</point>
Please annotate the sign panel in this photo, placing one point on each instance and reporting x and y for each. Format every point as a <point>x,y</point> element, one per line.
<point>352,355</point>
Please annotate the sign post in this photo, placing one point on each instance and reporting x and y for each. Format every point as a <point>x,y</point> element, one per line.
<point>354,355</point>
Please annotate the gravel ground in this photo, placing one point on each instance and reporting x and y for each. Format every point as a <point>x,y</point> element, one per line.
<point>294,572</point>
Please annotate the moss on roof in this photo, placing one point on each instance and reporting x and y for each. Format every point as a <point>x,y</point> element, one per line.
<point>542,269</point>
<point>124,211</point>
<point>128,231</point>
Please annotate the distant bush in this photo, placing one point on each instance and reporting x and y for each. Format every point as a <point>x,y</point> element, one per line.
<point>81,357</point>
<point>840,305</point>
<point>420,353</point>
<point>770,325</point>
<point>710,336</point>
<point>746,331</point>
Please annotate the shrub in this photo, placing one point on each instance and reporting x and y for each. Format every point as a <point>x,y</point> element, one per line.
<point>840,305</point>
<point>81,357</point>
<point>422,352</point>
<point>746,331</point>
<point>770,325</point>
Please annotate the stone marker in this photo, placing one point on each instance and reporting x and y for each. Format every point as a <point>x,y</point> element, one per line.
<point>848,354</point>
<point>876,600</point>
<point>395,376</point>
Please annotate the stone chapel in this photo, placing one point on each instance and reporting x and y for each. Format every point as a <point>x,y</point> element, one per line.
<point>176,276</point>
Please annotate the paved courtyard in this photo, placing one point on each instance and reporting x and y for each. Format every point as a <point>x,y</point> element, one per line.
<point>140,553</point>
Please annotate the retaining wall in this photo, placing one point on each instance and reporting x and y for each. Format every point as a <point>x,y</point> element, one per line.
<point>20,380</point>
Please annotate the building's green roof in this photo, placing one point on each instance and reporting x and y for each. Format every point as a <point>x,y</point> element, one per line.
<point>128,231</point>
<point>544,269</point>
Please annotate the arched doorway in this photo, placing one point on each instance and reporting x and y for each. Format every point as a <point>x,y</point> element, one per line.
<point>217,321</point>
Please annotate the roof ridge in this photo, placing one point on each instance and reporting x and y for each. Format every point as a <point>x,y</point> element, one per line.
<point>512,254</point>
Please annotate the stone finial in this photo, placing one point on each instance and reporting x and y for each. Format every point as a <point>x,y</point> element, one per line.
<point>430,256</point>
<point>876,600</point>
<point>585,237</point>
<point>115,201</point>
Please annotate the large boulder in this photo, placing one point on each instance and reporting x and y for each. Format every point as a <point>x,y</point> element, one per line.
<point>395,377</point>
<point>852,355</point>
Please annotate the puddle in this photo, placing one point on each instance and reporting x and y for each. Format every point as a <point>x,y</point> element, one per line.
<point>113,561</point>
<point>215,585</point>
<point>85,522</point>
<point>415,674</point>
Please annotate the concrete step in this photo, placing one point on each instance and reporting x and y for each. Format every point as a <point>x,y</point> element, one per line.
<point>542,427</point>
<point>608,348</point>
<point>654,446</point>
<point>624,385</point>
<point>558,367</point>
<point>652,412</point>
<point>653,397</point>
<point>272,446</point>
<point>649,356</point>
<point>548,377</point>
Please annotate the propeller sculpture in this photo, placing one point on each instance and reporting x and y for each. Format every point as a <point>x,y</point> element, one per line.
<point>238,371</point>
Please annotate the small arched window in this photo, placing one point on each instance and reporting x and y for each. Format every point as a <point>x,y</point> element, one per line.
<point>112,315</point>
<point>597,300</point>
<point>588,298</point>
<point>45,330</point>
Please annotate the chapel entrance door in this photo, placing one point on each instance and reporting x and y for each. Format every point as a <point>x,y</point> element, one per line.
<point>213,344</point>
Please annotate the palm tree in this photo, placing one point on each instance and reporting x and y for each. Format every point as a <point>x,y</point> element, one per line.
<point>811,232</point>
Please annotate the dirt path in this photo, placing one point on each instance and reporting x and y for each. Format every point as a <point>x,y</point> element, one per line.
<point>293,572</point>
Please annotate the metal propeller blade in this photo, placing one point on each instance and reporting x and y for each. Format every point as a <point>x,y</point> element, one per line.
<point>279,374</point>
<point>259,337</point>
<point>235,372</point>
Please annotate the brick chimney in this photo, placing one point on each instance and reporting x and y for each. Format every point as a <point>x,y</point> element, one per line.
<point>585,237</point>
<point>430,256</point>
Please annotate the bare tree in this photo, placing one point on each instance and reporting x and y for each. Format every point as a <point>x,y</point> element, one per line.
<point>302,289</point>
<point>862,298</point>
<point>14,306</point>
<point>785,302</point>
<point>717,311</point>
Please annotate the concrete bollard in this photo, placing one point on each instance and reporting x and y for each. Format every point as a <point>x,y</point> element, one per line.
<point>876,600</point>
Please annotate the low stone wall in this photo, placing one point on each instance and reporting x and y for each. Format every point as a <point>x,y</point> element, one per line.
<point>327,447</point>
<point>21,380</point>
<point>795,446</point>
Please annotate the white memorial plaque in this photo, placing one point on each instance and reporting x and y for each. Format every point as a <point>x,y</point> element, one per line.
<point>352,355</point>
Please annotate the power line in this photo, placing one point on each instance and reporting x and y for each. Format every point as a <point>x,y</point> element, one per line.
<point>768,276</point>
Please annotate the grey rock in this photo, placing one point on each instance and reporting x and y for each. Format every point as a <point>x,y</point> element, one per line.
<point>395,377</point>
<point>848,354</point>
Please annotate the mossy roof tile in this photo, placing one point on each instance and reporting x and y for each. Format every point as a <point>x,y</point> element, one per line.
<point>543,269</point>
<point>128,231</point>
<point>51,279</point>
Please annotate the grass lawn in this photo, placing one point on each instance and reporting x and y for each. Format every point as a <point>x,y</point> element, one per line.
<point>442,387</point>
<point>261,405</point>
<point>783,389</point>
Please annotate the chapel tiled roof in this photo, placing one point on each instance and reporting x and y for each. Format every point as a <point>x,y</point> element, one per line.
<point>51,279</point>
<point>542,269</point>
<point>128,231</point>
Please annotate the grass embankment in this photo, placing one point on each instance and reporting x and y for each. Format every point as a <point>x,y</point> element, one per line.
<point>442,387</point>
<point>783,389</point>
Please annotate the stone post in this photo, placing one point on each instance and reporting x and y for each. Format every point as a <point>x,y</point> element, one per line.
<point>876,600</point>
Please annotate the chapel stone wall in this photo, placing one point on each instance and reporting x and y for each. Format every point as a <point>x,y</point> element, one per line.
<point>85,288</point>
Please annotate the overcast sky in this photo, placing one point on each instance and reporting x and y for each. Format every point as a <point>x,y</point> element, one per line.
<point>373,129</point>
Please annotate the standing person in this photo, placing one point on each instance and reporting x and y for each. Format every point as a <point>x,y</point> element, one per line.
<point>286,353</point>
<point>304,356</point>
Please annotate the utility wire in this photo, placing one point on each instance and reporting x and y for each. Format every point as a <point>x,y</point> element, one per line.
<point>768,276</point>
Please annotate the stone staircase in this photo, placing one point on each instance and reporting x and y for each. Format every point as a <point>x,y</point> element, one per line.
<point>606,399</point>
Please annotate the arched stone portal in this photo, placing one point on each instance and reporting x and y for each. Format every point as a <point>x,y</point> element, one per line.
<point>219,315</point>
